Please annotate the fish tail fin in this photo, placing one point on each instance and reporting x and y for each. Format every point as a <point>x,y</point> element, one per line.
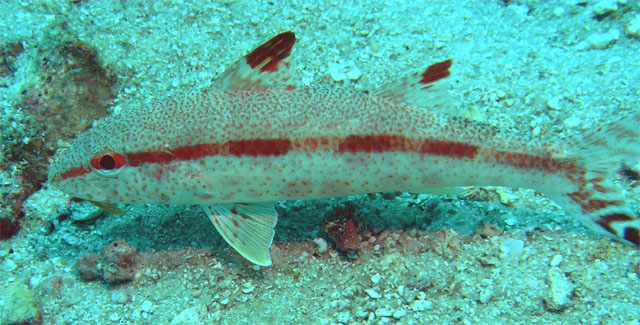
<point>595,199</point>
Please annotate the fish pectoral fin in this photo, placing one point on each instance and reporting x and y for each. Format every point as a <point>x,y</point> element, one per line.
<point>247,227</point>
<point>106,206</point>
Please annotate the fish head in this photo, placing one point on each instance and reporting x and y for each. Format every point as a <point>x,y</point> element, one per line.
<point>95,166</point>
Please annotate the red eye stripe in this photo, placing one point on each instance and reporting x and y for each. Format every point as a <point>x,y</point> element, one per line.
<point>108,161</point>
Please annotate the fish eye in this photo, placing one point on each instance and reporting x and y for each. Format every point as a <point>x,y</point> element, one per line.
<point>108,163</point>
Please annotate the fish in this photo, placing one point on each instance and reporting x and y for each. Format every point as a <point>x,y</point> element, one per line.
<point>255,137</point>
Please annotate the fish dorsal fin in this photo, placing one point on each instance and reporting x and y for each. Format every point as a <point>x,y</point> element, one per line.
<point>247,227</point>
<point>266,66</point>
<point>426,89</point>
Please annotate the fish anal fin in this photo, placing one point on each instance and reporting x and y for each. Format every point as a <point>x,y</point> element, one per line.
<point>247,227</point>
<point>266,66</point>
<point>426,88</point>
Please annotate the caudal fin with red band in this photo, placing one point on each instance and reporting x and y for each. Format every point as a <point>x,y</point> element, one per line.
<point>595,199</point>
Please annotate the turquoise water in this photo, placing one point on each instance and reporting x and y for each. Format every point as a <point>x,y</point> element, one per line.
<point>547,70</point>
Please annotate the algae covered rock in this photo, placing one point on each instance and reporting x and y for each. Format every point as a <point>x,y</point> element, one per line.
<point>20,306</point>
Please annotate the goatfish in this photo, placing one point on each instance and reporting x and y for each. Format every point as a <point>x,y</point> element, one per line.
<point>255,137</point>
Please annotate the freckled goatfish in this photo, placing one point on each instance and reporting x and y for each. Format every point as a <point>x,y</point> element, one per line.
<point>255,138</point>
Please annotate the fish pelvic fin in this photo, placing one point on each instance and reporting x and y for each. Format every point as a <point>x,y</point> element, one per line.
<point>247,227</point>
<point>106,206</point>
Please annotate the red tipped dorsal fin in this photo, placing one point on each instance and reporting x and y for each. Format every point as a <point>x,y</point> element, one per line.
<point>427,89</point>
<point>266,66</point>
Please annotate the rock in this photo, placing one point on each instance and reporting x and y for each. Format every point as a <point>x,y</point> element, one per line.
<point>383,312</point>
<point>88,267</point>
<point>322,245</point>
<point>343,317</point>
<point>633,29</point>
<point>599,41</point>
<point>399,313</point>
<point>120,297</point>
<point>486,294</point>
<point>559,12</point>
<point>556,260</point>
<point>421,305</point>
<point>373,294</point>
<point>83,211</point>
<point>554,102</point>
<point>511,248</point>
<point>20,306</point>
<point>604,7</point>
<point>560,290</point>
<point>193,315</point>
<point>147,306</point>
<point>247,288</point>
<point>376,278</point>
<point>8,265</point>
<point>344,71</point>
<point>572,122</point>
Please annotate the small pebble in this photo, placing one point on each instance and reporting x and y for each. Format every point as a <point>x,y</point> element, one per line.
<point>511,248</point>
<point>247,287</point>
<point>572,122</point>
<point>558,12</point>
<point>147,306</point>
<point>554,102</point>
<point>421,305</point>
<point>486,294</point>
<point>375,278</point>
<point>321,243</point>
<point>599,41</point>
<point>604,7</point>
<point>633,29</point>
<point>560,290</point>
<point>114,317</point>
<point>343,317</point>
<point>254,20</point>
<point>399,313</point>
<point>373,294</point>
<point>344,71</point>
<point>383,312</point>
<point>120,297</point>
<point>9,265</point>
<point>556,260</point>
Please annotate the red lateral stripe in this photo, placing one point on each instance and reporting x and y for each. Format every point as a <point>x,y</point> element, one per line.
<point>73,172</point>
<point>374,143</point>
<point>259,147</point>
<point>449,149</point>
<point>528,161</point>
<point>351,144</point>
